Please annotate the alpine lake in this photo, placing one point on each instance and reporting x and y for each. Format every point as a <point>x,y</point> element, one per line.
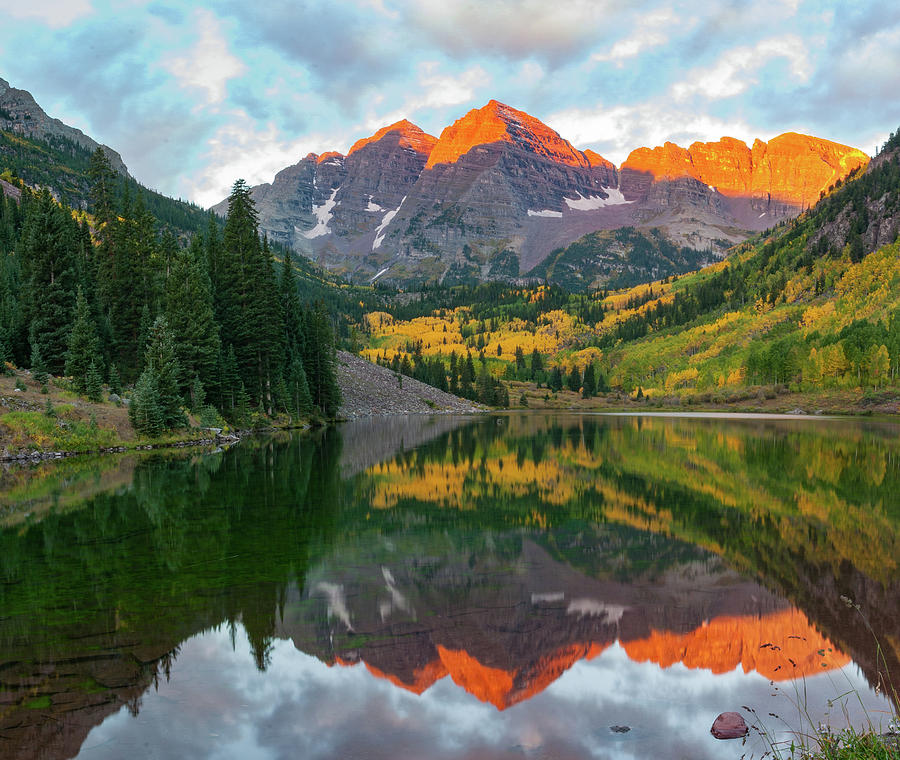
<point>525,585</point>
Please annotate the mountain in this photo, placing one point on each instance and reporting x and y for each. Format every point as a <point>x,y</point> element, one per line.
<point>21,115</point>
<point>499,191</point>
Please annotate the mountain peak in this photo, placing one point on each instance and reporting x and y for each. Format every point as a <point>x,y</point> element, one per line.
<point>410,136</point>
<point>791,167</point>
<point>498,122</point>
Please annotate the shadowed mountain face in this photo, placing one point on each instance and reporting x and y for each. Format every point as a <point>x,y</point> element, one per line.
<point>498,191</point>
<point>493,555</point>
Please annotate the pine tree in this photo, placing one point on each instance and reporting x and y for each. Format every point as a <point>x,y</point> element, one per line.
<point>38,368</point>
<point>555,382</point>
<point>102,178</point>
<point>144,411</point>
<point>250,312</point>
<point>298,390</point>
<point>94,383</point>
<point>319,361</point>
<point>162,365</point>
<point>189,312</point>
<point>49,254</point>
<point>589,382</point>
<point>573,382</point>
<point>115,381</point>
<point>82,350</point>
<point>198,395</point>
<point>537,363</point>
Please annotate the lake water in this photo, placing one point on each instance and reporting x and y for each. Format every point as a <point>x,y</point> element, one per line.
<point>526,585</point>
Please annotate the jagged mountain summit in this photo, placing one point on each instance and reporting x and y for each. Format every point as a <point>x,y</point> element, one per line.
<point>498,191</point>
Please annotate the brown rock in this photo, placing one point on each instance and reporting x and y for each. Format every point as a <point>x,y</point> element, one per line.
<point>729,725</point>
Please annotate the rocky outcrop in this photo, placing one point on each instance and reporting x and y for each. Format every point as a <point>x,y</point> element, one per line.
<point>20,113</point>
<point>372,391</point>
<point>500,190</point>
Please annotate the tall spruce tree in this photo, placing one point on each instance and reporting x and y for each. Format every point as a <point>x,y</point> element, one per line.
<point>250,312</point>
<point>83,348</point>
<point>49,253</point>
<point>319,361</point>
<point>189,312</point>
<point>161,364</point>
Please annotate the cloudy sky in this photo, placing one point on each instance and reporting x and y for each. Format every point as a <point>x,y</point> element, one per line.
<point>195,95</point>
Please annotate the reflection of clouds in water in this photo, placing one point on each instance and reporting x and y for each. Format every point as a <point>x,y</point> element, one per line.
<point>217,705</point>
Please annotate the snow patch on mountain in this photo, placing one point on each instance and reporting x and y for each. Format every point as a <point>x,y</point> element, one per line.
<point>372,206</point>
<point>593,202</point>
<point>323,215</point>
<point>380,232</point>
<point>546,213</point>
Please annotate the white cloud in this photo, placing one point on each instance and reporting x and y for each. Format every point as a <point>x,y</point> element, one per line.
<point>434,90</point>
<point>54,13</point>
<point>615,132</point>
<point>209,65</point>
<point>239,150</point>
<point>650,32</point>
<point>737,69</point>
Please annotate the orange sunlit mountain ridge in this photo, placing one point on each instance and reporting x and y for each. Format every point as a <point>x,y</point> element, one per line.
<point>500,190</point>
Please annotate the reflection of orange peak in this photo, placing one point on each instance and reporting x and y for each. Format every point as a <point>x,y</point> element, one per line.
<point>423,677</point>
<point>410,136</point>
<point>497,122</point>
<point>766,644</point>
<point>793,168</point>
<point>499,686</point>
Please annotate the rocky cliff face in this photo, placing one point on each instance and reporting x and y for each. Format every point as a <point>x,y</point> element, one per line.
<point>779,177</point>
<point>20,113</point>
<point>499,191</point>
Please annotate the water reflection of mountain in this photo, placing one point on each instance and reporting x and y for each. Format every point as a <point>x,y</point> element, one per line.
<point>504,626</point>
<point>678,539</point>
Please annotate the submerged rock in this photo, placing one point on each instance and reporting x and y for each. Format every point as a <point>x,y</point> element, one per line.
<point>729,725</point>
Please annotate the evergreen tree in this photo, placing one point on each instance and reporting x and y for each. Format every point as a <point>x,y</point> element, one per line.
<point>102,178</point>
<point>115,382</point>
<point>589,382</point>
<point>144,411</point>
<point>82,351</point>
<point>299,399</point>
<point>537,363</point>
<point>467,377</point>
<point>189,312</point>
<point>198,395</point>
<point>251,319</point>
<point>161,364</point>
<point>49,253</point>
<point>94,383</point>
<point>573,382</point>
<point>555,382</point>
<point>38,368</point>
<point>319,361</point>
